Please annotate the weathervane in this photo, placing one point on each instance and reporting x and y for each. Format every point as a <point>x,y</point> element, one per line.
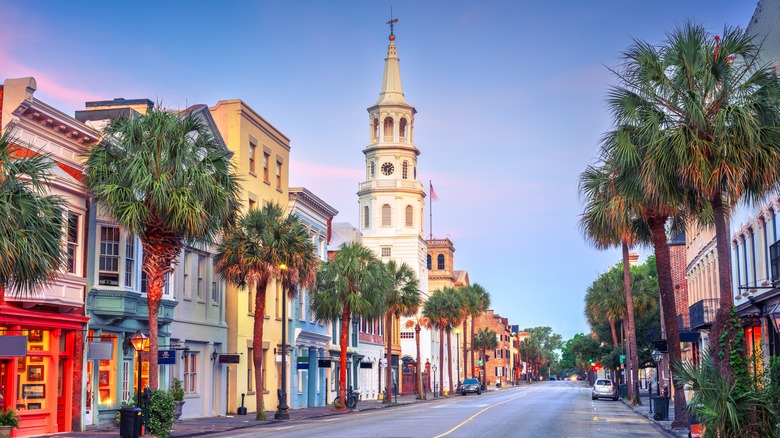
<point>392,23</point>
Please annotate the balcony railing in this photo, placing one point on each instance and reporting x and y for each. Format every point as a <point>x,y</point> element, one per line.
<point>702,313</point>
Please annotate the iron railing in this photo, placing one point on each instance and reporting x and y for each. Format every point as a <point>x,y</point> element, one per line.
<point>702,313</point>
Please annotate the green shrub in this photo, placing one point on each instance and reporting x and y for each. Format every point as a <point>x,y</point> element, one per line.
<point>160,414</point>
<point>177,390</point>
<point>8,417</point>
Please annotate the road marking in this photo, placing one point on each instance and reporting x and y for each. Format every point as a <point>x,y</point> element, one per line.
<point>283,428</point>
<point>479,413</point>
<point>330,419</point>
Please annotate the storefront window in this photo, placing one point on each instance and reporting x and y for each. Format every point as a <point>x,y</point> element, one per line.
<point>31,371</point>
<point>106,377</point>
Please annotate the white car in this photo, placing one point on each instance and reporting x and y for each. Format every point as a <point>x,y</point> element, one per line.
<point>605,388</point>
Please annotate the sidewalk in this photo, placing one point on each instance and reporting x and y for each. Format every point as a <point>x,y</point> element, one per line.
<point>192,427</point>
<point>644,410</point>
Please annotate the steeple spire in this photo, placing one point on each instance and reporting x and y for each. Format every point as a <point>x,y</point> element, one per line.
<point>391,93</point>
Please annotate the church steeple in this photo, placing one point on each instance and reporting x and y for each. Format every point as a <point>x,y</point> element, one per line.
<point>391,93</point>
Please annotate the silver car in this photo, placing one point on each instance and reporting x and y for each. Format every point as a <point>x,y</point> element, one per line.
<point>605,388</point>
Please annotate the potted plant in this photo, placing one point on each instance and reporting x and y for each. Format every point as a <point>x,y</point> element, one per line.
<point>8,422</point>
<point>177,393</point>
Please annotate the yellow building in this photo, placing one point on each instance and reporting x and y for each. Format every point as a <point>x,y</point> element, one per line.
<point>261,156</point>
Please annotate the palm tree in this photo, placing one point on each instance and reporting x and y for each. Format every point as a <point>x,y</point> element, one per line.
<point>716,113</point>
<point>478,303</point>
<point>443,311</point>
<point>31,229</point>
<point>403,299</point>
<point>162,177</point>
<point>417,322</point>
<point>485,339</point>
<point>607,222</point>
<point>266,244</point>
<point>353,283</point>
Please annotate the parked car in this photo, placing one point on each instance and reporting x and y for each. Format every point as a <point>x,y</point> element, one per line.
<point>605,388</point>
<point>470,385</point>
<point>552,377</point>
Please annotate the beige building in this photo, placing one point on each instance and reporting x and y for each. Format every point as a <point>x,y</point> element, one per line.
<point>261,154</point>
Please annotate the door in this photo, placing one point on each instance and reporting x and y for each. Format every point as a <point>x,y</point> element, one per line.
<point>62,418</point>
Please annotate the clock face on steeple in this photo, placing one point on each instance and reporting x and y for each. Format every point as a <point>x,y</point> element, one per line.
<point>387,168</point>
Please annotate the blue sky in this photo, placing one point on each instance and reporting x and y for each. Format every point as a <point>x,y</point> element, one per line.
<point>510,100</point>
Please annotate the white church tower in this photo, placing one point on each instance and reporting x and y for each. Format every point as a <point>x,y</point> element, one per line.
<point>392,199</point>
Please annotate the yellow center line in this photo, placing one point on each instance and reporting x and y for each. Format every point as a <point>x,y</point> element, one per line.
<point>477,414</point>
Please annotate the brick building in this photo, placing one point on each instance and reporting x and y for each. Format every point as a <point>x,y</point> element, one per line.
<point>498,366</point>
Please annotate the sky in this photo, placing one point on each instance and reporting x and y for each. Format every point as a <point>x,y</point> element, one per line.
<point>510,100</point>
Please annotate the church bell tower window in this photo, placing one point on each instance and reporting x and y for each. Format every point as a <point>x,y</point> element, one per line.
<point>366,217</point>
<point>386,215</point>
<point>405,170</point>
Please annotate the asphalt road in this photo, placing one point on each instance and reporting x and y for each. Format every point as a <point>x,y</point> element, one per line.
<point>543,409</point>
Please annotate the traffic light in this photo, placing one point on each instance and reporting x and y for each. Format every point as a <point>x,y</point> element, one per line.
<point>480,362</point>
<point>596,366</point>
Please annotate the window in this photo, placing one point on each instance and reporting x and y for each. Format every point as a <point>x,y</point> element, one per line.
<point>375,130</point>
<point>73,240</point>
<point>402,127</point>
<point>302,305</point>
<point>201,276</point>
<point>266,158</point>
<point>388,131</point>
<point>386,215</point>
<point>409,216</point>
<point>216,290</point>
<point>252,150</point>
<point>278,175</point>
<point>129,260</point>
<point>366,217</point>
<point>191,373</point>
<point>373,169</point>
<point>430,266</point>
<point>405,170</point>
<point>252,204</point>
<point>264,369</point>
<point>108,274</point>
<point>187,287</point>
<point>250,374</point>
<point>387,251</point>
<point>440,261</point>
<point>250,293</point>
<point>407,335</point>
<point>300,372</point>
<point>127,380</point>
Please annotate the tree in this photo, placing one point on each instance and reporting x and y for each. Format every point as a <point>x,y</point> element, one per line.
<point>163,178</point>
<point>352,284</point>
<point>607,222</point>
<point>266,244</point>
<point>714,128</point>
<point>31,229</point>
<point>478,303</point>
<point>485,339</point>
<point>418,322</point>
<point>443,311</point>
<point>403,299</point>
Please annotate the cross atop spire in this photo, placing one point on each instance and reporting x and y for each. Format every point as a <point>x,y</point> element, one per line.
<point>392,23</point>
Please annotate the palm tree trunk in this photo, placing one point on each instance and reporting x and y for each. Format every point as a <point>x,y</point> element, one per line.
<point>472,348</point>
<point>449,357</point>
<point>344,340</point>
<point>420,391</point>
<point>2,294</point>
<point>441,358</point>
<point>666,288</point>
<point>465,350</point>
<point>633,359</point>
<point>388,356</point>
<point>614,333</point>
<point>720,347</point>
<point>257,347</point>
<point>153,298</point>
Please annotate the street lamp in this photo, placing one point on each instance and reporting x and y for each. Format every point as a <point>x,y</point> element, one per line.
<point>457,347</point>
<point>434,380</point>
<point>657,355</point>
<point>281,393</point>
<point>140,343</point>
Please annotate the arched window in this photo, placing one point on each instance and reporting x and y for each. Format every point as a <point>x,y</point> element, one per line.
<point>429,262</point>
<point>375,130</point>
<point>373,169</point>
<point>405,170</point>
<point>409,216</point>
<point>366,217</point>
<point>386,215</point>
<point>440,261</point>
<point>388,129</point>
<point>402,128</point>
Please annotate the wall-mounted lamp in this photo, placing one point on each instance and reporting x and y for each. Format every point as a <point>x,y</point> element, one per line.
<point>214,355</point>
<point>185,352</point>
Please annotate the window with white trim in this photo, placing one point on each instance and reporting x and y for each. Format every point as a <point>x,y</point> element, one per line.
<point>72,234</point>
<point>387,251</point>
<point>191,373</point>
<point>127,379</point>
<point>409,216</point>
<point>366,217</point>
<point>108,271</point>
<point>186,285</point>
<point>201,276</point>
<point>129,260</point>
<point>300,372</point>
<point>386,212</point>
<point>302,305</point>
<point>216,289</point>
<point>250,373</point>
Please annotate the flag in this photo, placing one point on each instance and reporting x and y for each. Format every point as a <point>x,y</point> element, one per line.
<point>433,193</point>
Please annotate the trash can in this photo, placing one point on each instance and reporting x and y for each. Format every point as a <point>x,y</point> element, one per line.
<point>694,427</point>
<point>624,391</point>
<point>661,408</point>
<point>130,420</point>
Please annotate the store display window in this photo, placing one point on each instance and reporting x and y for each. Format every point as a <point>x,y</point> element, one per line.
<point>31,373</point>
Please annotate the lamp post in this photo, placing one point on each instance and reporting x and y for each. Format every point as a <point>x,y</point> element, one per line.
<point>657,355</point>
<point>457,347</point>
<point>140,343</point>
<point>434,380</point>
<point>281,393</point>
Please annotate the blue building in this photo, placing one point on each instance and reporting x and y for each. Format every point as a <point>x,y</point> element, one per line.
<point>309,337</point>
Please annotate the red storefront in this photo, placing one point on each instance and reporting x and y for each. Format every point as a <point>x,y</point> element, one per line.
<point>44,387</point>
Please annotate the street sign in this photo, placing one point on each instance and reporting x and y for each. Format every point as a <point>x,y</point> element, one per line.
<point>622,358</point>
<point>166,357</point>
